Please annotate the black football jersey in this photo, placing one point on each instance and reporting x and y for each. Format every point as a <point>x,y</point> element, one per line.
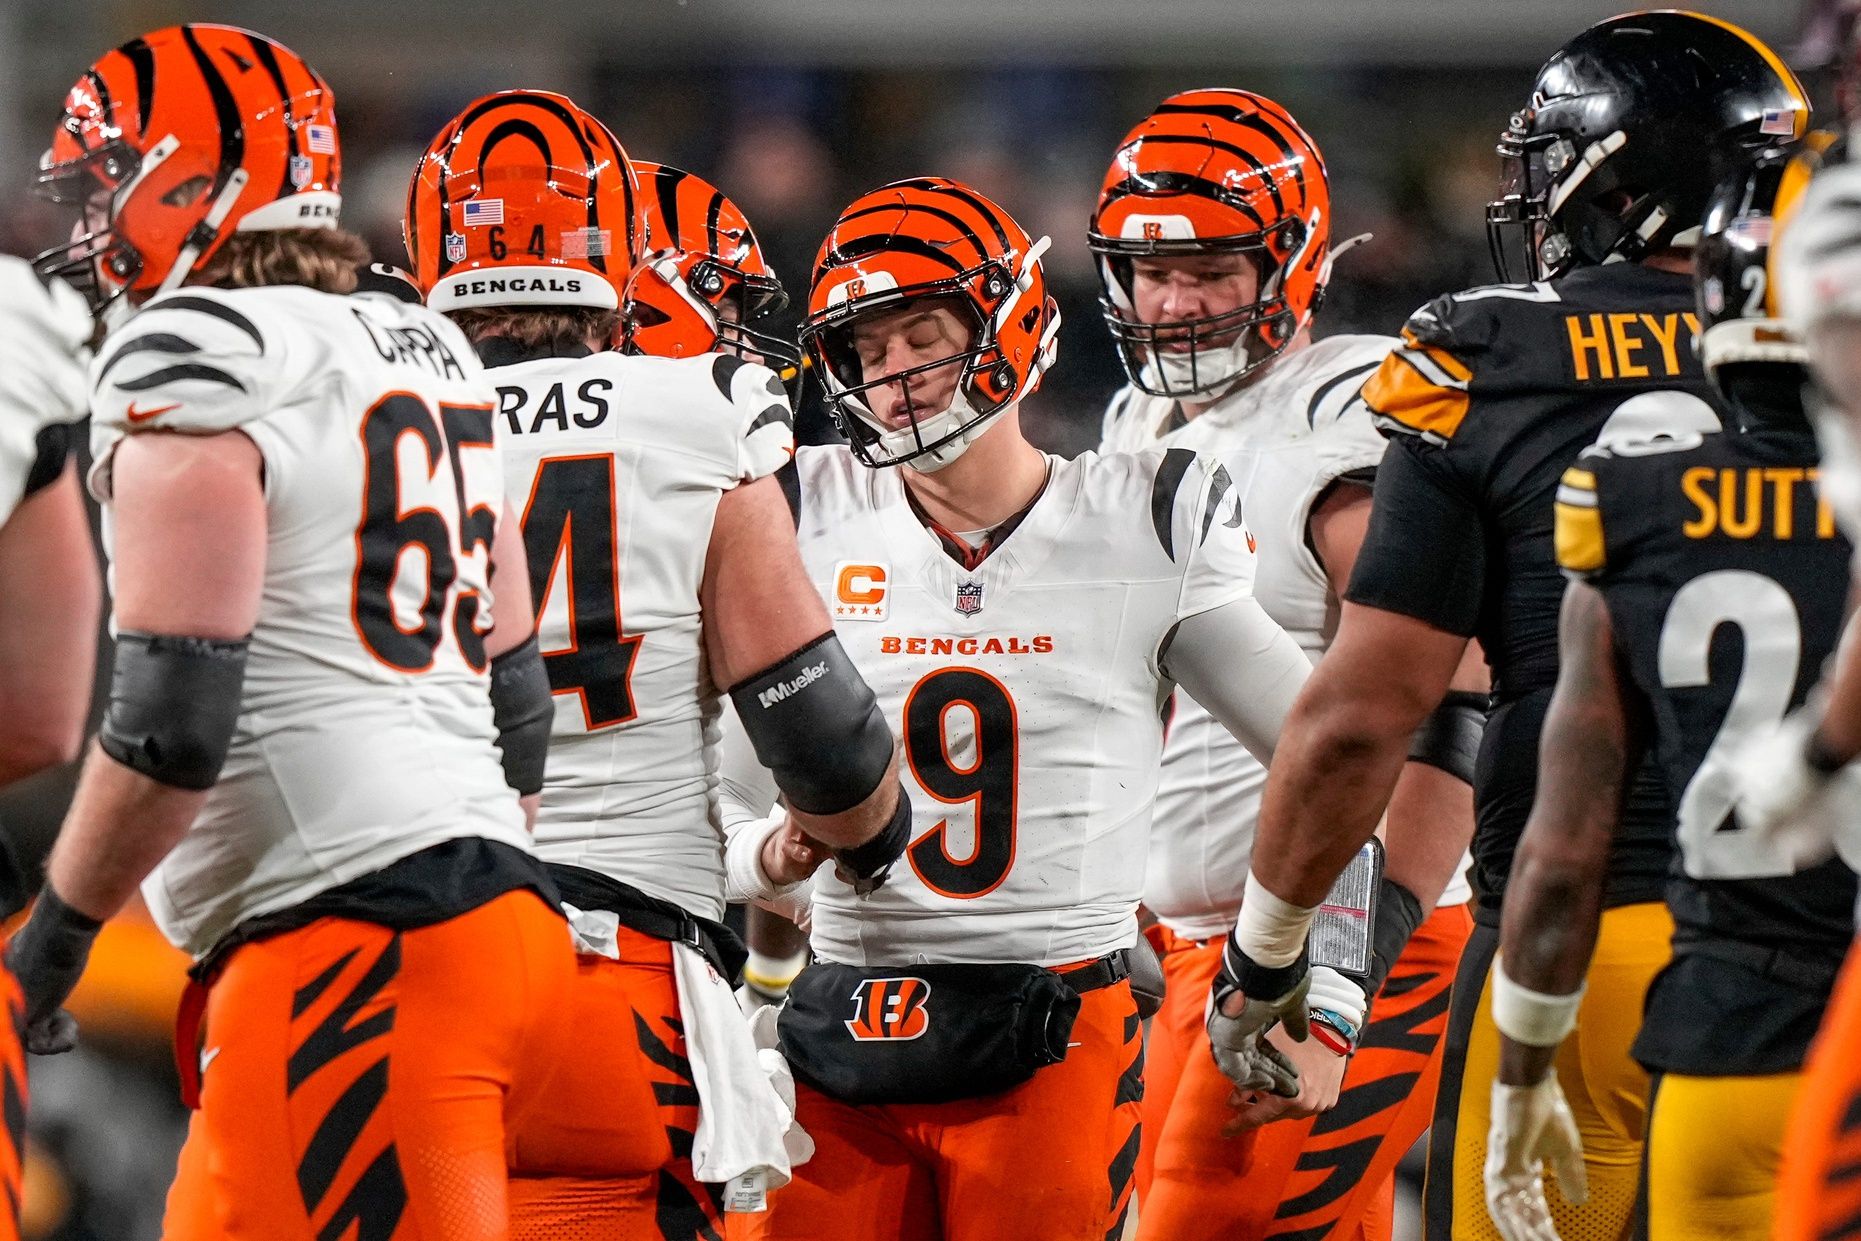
<point>1725,580</point>
<point>1491,395</point>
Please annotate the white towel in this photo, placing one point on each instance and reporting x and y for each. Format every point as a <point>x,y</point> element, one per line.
<point>747,1136</point>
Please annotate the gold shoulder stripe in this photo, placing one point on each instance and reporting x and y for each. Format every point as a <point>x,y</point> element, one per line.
<point>1411,390</point>
<point>1579,523</point>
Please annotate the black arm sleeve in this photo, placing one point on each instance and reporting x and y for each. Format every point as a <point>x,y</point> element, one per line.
<point>522,710</point>
<point>1424,554</point>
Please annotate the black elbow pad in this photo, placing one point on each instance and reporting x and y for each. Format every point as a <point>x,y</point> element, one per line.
<point>816,726</point>
<point>523,711</point>
<point>1450,737</point>
<point>173,704</point>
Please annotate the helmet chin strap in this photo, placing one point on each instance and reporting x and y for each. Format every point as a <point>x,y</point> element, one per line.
<point>203,234</point>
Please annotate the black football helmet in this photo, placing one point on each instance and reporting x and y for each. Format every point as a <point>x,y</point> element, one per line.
<point>1629,127</point>
<point>1746,346</point>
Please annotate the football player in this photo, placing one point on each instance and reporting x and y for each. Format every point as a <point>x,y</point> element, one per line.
<point>313,681</point>
<point>1700,567</point>
<point>1787,780</point>
<point>1490,398</point>
<point>1213,233</point>
<point>701,289</point>
<point>663,565</point>
<point>967,1042</point>
<point>49,595</point>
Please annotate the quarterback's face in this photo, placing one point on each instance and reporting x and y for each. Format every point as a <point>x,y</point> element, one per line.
<point>1179,290</point>
<point>922,334</point>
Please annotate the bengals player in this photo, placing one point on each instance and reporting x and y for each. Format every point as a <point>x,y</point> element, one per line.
<point>1667,564</point>
<point>1213,234</point>
<point>1490,398</point>
<point>966,1041</point>
<point>49,596</point>
<point>702,286</point>
<point>663,568</point>
<point>313,680</point>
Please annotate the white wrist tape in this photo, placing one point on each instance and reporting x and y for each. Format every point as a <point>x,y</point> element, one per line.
<point>745,879</point>
<point>1271,931</point>
<point>1532,1017</point>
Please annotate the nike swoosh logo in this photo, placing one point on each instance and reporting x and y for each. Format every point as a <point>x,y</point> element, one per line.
<point>207,1057</point>
<point>143,415</point>
<point>1251,545</point>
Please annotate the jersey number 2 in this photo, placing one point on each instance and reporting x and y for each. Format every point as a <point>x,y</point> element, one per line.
<point>987,781</point>
<point>1766,619</point>
<point>570,518</point>
<point>388,530</point>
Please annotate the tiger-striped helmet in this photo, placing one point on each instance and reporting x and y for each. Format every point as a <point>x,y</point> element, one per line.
<point>523,199</point>
<point>174,141</point>
<point>703,281</point>
<point>1213,172</point>
<point>919,239</point>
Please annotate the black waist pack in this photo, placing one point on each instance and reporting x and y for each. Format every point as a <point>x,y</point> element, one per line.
<point>932,1033</point>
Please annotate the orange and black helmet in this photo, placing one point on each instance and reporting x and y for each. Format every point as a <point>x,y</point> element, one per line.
<point>179,138</point>
<point>703,281</point>
<point>523,199</point>
<point>924,238</point>
<point>1213,172</point>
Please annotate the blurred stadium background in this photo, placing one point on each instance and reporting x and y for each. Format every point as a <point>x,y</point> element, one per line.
<point>793,107</point>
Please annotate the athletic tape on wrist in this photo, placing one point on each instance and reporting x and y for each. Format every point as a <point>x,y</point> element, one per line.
<point>1269,930</point>
<point>1532,1017</point>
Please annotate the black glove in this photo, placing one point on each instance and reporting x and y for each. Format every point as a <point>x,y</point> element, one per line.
<point>47,956</point>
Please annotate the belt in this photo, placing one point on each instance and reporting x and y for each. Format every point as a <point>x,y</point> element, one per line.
<point>663,920</point>
<point>1106,971</point>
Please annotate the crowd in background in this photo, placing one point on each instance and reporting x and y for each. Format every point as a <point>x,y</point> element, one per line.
<point>1410,154</point>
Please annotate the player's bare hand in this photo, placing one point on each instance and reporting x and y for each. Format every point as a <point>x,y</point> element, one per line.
<point>790,855</point>
<point>1531,1126</point>
<point>1320,1075</point>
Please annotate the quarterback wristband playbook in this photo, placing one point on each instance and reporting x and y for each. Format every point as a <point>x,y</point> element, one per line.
<point>1450,737</point>
<point>1533,1018</point>
<point>522,710</point>
<point>173,704</point>
<point>815,725</point>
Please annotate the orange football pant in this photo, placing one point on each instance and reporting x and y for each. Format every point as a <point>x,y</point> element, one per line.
<point>13,1069</point>
<point>1049,1159</point>
<point>364,1083</point>
<point>1819,1182</point>
<point>630,1097</point>
<point>1322,1176</point>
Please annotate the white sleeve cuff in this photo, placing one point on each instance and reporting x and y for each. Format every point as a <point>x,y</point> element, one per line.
<point>744,878</point>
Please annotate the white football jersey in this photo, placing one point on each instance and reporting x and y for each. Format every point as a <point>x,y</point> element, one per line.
<point>365,730</point>
<point>617,464</point>
<point>1285,437</point>
<point>45,329</point>
<point>1026,691</point>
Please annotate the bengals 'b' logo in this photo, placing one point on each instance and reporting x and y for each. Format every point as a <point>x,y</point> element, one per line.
<point>890,1008</point>
<point>855,288</point>
<point>1153,231</point>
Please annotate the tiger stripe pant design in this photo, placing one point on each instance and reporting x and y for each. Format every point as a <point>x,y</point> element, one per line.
<point>12,1104</point>
<point>1819,1186</point>
<point>1051,1158</point>
<point>359,1083</point>
<point>1327,1176</point>
<point>625,1115</point>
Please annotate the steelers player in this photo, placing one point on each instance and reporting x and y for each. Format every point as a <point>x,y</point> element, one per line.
<point>663,567</point>
<point>1492,395</point>
<point>1699,611</point>
<point>966,1042</point>
<point>1213,233</point>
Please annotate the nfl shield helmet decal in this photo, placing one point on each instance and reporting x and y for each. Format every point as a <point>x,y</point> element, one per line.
<point>968,598</point>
